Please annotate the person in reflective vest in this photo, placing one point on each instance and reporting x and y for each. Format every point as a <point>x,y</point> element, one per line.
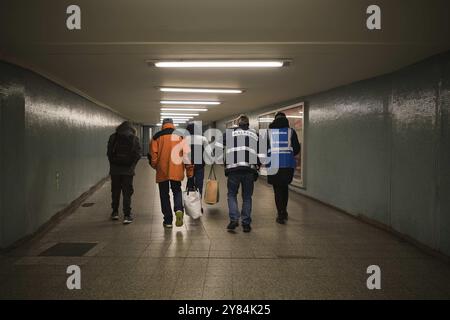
<point>242,162</point>
<point>283,147</point>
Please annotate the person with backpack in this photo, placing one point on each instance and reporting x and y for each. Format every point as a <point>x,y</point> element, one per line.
<point>123,153</point>
<point>283,147</point>
<point>169,154</point>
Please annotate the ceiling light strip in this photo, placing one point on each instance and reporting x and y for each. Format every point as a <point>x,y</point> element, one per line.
<point>178,114</point>
<point>184,109</point>
<point>199,90</point>
<point>220,64</point>
<point>169,117</point>
<point>190,102</point>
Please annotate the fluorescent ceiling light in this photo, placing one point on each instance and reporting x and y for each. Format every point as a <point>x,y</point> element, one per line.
<point>190,102</point>
<point>295,117</point>
<point>178,114</point>
<point>199,90</point>
<point>178,118</point>
<point>266,119</point>
<point>183,109</point>
<point>221,64</point>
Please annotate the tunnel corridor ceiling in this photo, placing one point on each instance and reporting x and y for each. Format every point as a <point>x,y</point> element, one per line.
<point>327,41</point>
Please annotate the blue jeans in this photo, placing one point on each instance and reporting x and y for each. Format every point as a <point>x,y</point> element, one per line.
<point>247,180</point>
<point>164,196</point>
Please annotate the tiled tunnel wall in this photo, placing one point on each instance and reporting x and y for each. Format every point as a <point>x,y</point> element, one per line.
<point>380,148</point>
<point>53,149</point>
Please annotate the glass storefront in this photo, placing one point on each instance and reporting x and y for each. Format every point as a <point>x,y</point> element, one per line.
<point>295,115</point>
<point>232,123</point>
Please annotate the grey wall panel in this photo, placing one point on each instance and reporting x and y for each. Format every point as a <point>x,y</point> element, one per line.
<point>13,221</point>
<point>66,140</point>
<point>414,152</point>
<point>1,168</point>
<point>381,148</point>
<point>62,140</point>
<point>444,161</point>
<point>350,164</point>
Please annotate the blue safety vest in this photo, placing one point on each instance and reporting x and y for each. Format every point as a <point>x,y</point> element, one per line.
<point>281,153</point>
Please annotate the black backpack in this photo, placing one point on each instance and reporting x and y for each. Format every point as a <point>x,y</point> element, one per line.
<point>122,152</point>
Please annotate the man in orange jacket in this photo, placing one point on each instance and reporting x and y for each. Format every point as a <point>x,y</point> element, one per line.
<point>169,156</point>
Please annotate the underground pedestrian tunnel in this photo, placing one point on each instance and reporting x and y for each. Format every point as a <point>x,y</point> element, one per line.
<point>371,109</point>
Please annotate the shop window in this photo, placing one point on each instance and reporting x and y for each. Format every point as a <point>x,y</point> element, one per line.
<point>232,123</point>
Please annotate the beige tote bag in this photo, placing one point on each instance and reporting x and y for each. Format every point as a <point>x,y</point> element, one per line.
<point>212,188</point>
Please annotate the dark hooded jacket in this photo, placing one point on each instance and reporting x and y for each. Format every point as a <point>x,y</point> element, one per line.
<point>125,129</point>
<point>284,175</point>
<point>197,143</point>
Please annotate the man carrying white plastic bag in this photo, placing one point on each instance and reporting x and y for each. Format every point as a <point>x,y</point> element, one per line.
<point>192,203</point>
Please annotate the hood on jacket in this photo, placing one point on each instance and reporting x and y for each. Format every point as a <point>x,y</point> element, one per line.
<point>279,122</point>
<point>168,125</point>
<point>126,128</point>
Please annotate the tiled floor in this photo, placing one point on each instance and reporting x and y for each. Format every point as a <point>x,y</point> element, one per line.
<point>319,254</point>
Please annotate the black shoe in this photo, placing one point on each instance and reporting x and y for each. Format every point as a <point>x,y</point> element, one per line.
<point>281,220</point>
<point>128,219</point>
<point>233,225</point>
<point>115,215</point>
<point>246,227</point>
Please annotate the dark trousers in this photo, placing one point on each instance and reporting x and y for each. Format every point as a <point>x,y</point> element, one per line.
<point>247,180</point>
<point>122,184</point>
<point>281,198</point>
<point>199,177</point>
<point>164,196</point>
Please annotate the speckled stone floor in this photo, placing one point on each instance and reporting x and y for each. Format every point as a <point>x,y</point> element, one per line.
<point>319,254</point>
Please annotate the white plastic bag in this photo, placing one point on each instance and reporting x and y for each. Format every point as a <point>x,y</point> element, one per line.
<point>192,203</point>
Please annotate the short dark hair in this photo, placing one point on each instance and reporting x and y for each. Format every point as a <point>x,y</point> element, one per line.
<point>167,120</point>
<point>243,120</point>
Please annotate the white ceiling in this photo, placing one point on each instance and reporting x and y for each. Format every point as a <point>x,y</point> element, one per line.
<point>326,40</point>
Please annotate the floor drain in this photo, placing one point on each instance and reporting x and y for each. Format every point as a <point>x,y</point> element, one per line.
<point>68,249</point>
<point>87,204</point>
